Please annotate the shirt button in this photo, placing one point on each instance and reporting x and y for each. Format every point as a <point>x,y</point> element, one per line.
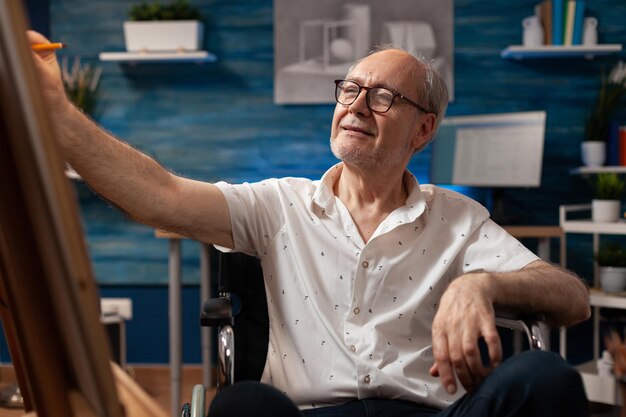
<point>353,348</point>
<point>365,264</point>
<point>357,310</point>
<point>367,379</point>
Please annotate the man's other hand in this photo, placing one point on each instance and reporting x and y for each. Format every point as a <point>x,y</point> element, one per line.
<point>465,315</point>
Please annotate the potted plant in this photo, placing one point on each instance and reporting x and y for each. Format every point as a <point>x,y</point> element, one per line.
<point>156,27</point>
<point>608,189</point>
<point>82,84</point>
<point>611,258</point>
<point>612,89</point>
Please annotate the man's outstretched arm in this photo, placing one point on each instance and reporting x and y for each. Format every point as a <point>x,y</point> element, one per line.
<point>129,179</point>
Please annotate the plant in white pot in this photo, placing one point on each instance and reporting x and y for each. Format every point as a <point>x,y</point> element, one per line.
<point>156,27</point>
<point>612,89</point>
<point>82,84</point>
<point>608,189</point>
<point>611,259</point>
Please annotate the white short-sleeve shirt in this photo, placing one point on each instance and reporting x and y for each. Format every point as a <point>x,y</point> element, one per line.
<point>350,320</point>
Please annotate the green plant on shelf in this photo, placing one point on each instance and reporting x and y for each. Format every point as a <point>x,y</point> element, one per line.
<point>176,10</point>
<point>82,84</point>
<point>611,254</point>
<point>608,186</point>
<point>612,89</point>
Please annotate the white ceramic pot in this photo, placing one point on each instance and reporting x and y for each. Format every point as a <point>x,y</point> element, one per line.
<point>605,211</point>
<point>613,279</point>
<point>533,32</point>
<point>593,153</point>
<point>163,35</point>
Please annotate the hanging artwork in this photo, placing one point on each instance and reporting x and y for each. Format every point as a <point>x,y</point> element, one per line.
<point>317,42</point>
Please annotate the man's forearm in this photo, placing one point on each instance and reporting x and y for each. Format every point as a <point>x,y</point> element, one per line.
<point>122,175</point>
<point>540,288</point>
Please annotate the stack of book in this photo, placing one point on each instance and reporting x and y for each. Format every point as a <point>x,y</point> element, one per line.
<point>562,21</point>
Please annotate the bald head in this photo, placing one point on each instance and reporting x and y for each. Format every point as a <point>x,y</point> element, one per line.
<point>427,84</point>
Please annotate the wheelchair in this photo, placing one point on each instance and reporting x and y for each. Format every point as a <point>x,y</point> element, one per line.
<point>241,304</point>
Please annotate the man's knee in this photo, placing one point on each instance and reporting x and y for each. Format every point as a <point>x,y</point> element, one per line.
<point>252,399</point>
<point>546,367</point>
<point>550,383</point>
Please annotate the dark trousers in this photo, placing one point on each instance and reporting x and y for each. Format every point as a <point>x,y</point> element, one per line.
<point>531,384</point>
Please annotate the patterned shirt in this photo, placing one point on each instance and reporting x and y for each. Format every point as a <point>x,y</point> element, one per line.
<point>352,320</point>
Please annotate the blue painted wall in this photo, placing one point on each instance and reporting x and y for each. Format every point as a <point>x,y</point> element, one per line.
<point>217,122</point>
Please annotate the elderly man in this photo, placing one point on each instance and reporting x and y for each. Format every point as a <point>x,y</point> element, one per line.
<point>378,288</point>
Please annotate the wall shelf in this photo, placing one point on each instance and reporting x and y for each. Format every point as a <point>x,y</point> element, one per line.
<point>599,170</point>
<point>558,51</point>
<point>165,57</point>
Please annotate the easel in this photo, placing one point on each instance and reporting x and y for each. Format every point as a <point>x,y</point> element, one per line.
<point>48,298</point>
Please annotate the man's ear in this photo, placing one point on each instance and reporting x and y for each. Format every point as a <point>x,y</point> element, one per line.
<point>424,131</point>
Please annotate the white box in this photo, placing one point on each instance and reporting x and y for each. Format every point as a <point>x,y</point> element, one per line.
<point>163,35</point>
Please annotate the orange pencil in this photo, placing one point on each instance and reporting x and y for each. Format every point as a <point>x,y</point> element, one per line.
<point>47,46</point>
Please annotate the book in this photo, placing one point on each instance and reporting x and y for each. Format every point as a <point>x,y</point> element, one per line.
<point>544,12</point>
<point>622,145</point>
<point>568,17</point>
<point>557,22</point>
<point>612,145</point>
<point>579,18</point>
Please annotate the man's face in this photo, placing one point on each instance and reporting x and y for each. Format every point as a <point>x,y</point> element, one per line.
<point>368,139</point>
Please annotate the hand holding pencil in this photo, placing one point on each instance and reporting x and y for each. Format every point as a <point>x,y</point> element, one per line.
<point>45,61</point>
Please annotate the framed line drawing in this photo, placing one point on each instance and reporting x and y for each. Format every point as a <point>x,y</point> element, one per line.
<point>317,42</point>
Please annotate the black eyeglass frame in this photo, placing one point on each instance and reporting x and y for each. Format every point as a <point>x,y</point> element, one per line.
<point>367,97</point>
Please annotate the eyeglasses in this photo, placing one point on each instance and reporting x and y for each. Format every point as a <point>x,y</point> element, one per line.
<point>378,99</point>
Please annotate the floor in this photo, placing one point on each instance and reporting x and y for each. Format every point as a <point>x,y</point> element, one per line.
<point>155,381</point>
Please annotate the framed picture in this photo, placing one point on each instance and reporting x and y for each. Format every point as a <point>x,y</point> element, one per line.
<point>317,42</point>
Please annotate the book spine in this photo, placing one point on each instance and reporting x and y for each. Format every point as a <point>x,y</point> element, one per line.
<point>546,21</point>
<point>612,145</point>
<point>557,22</point>
<point>579,18</point>
<point>568,16</point>
<point>622,145</point>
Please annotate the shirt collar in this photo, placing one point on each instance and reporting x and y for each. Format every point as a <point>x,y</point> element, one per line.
<point>324,197</point>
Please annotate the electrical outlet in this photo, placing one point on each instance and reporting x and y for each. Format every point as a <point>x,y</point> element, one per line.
<point>120,307</point>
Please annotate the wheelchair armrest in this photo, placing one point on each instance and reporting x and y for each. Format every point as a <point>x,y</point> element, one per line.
<point>226,357</point>
<point>532,327</point>
<point>217,312</point>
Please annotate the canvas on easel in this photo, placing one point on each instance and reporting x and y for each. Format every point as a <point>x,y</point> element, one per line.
<point>48,297</point>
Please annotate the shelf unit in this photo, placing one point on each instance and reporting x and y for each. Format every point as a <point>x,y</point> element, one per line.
<point>558,51</point>
<point>599,388</point>
<point>164,57</point>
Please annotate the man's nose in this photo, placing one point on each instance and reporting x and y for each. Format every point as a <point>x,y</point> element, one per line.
<point>360,104</point>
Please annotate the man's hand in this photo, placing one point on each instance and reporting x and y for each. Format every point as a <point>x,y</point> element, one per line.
<point>49,72</point>
<point>465,315</point>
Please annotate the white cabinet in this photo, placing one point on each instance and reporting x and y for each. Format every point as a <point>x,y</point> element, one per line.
<point>599,389</point>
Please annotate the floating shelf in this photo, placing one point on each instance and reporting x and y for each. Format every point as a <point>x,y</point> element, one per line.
<point>599,170</point>
<point>591,227</point>
<point>73,175</point>
<point>559,51</point>
<point>140,57</point>
<point>599,298</point>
